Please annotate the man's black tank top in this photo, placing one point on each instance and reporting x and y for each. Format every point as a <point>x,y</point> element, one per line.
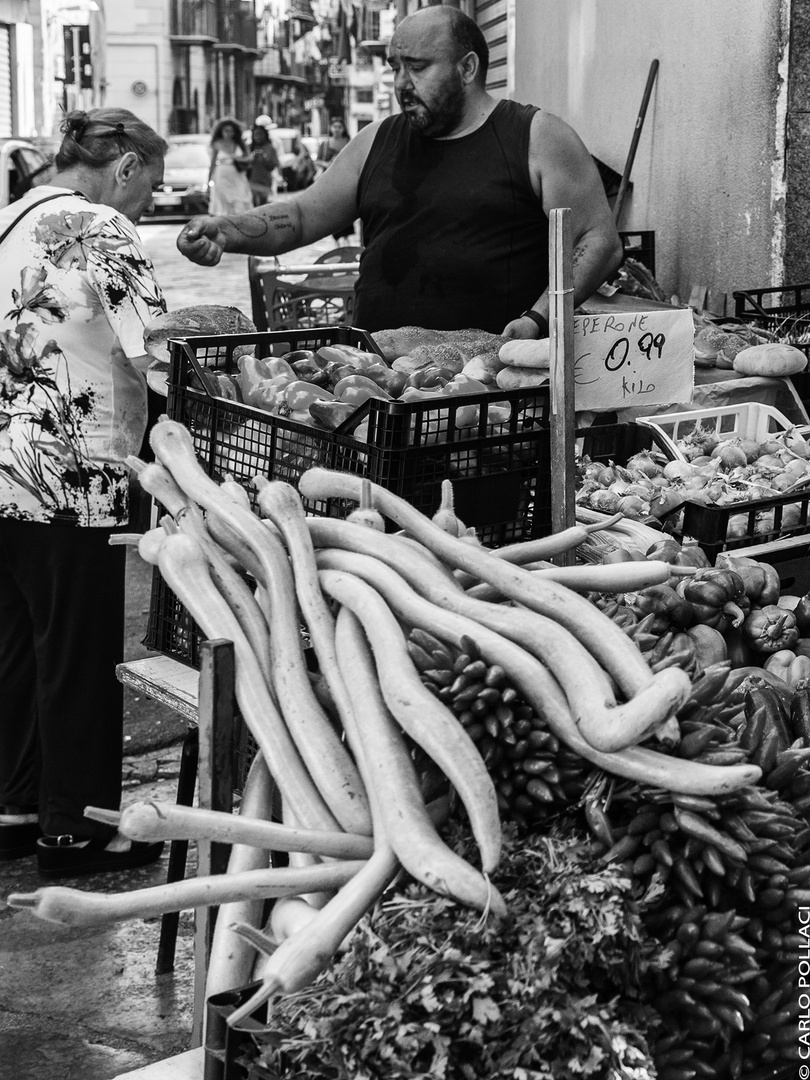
<point>454,235</point>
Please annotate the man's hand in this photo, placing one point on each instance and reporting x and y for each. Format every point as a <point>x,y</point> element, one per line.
<point>202,241</point>
<point>522,327</point>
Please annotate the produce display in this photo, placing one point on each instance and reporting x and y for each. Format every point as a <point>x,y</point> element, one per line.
<point>325,386</point>
<point>544,818</point>
<point>712,469</point>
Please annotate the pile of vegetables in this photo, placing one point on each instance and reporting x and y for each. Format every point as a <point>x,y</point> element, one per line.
<point>709,471</point>
<point>469,703</point>
<point>325,386</point>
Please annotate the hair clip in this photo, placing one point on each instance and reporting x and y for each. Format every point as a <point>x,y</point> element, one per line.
<point>119,129</point>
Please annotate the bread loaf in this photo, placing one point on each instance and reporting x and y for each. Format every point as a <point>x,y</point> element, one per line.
<point>516,378</point>
<point>201,319</point>
<point>403,341</point>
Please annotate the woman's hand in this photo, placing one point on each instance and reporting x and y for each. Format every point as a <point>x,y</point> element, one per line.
<point>202,241</point>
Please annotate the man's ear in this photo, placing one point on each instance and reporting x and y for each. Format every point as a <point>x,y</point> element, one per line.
<point>126,167</point>
<point>469,65</point>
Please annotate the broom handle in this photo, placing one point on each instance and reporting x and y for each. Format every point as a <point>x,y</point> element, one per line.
<point>625,180</point>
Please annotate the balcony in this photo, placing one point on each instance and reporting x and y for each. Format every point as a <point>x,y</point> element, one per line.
<point>238,26</point>
<point>194,20</point>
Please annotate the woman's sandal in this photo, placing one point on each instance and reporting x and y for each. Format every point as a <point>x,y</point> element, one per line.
<point>67,856</point>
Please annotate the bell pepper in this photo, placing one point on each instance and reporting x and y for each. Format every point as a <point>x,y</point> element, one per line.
<point>357,359</point>
<point>710,645</point>
<point>413,393</point>
<point>769,629</point>
<point>277,366</point>
<point>227,387</point>
<point>251,372</point>
<point>336,372</point>
<point>760,580</point>
<point>331,414</point>
<point>802,646</point>
<point>664,601</point>
<point>263,395</point>
<point>355,389</point>
<point>393,382</point>
<point>428,377</point>
<point>665,550</point>
<point>311,372</point>
<point>692,555</point>
<point>299,395</point>
<point>297,355</point>
<point>717,597</point>
<point>788,666</point>
<point>802,614</point>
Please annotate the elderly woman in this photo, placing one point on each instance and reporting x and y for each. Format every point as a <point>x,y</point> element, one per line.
<point>77,289</point>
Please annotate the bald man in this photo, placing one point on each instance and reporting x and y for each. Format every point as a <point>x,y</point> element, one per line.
<point>453,193</point>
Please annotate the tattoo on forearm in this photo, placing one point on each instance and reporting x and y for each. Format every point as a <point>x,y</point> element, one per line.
<point>579,254</point>
<point>249,226</point>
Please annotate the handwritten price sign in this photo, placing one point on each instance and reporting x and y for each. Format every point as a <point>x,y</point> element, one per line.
<point>641,358</point>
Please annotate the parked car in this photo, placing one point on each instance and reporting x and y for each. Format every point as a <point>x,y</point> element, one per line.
<point>184,191</point>
<point>22,166</point>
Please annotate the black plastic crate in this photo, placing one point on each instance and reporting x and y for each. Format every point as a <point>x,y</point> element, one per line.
<point>500,471</point>
<point>229,1054</point>
<point>709,525</point>
<point>784,311</point>
<point>640,246</point>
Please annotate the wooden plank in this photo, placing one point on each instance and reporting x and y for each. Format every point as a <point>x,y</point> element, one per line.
<point>561,323</point>
<point>216,712</point>
<point>164,679</point>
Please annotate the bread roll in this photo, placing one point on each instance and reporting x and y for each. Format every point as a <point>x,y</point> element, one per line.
<point>516,378</point>
<point>202,319</point>
<point>526,352</point>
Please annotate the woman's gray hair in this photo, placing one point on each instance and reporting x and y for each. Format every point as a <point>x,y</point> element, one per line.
<point>97,137</point>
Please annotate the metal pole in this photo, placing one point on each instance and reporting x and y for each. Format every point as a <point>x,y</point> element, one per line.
<point>563,422</point>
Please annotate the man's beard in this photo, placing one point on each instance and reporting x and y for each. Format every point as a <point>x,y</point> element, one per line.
<point>440,120</point>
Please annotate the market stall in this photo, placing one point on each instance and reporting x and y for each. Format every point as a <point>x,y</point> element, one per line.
<point>524,815</point>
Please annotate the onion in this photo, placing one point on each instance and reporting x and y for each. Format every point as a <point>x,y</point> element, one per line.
<point>678,470</point>
<point>764,523</point>
<point>770,446</point>
<point>632,506</point>
<point>737,527</point>
<point>604,500</point>
<point>797,467</point>
<point>729,455</point>
<point>797,444</point>
<point>643,462</point>
<point>782,481</point>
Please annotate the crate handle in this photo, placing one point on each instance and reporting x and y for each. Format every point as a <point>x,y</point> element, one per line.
<point>758,308</point>
<point>200,371</point>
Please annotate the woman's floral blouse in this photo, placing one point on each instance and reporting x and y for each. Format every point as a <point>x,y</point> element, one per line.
<point>76,289</point>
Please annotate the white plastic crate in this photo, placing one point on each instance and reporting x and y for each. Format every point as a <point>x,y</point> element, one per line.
<point>748,420</point>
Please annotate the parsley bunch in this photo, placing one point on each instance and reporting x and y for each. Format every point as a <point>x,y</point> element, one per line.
<point>426,992</point>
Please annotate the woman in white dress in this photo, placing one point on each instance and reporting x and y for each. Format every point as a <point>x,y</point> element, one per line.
<point>230,188</point>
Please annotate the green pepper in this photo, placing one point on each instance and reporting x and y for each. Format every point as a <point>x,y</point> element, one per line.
<point>311,371</point>
<point>393,382</point>
<point>769,629</point>
<point>760,580</point>
<point>251,372</point>
<point>427,378</point>
<point>665,550</point>
<point>717,597</point>
<point>801,613</point>
<point>299,395</point>
<point>788,666</point>
<point>664,601</point>
<point>710,645</point>
<point>355,389</point>
<point>331,414</point>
